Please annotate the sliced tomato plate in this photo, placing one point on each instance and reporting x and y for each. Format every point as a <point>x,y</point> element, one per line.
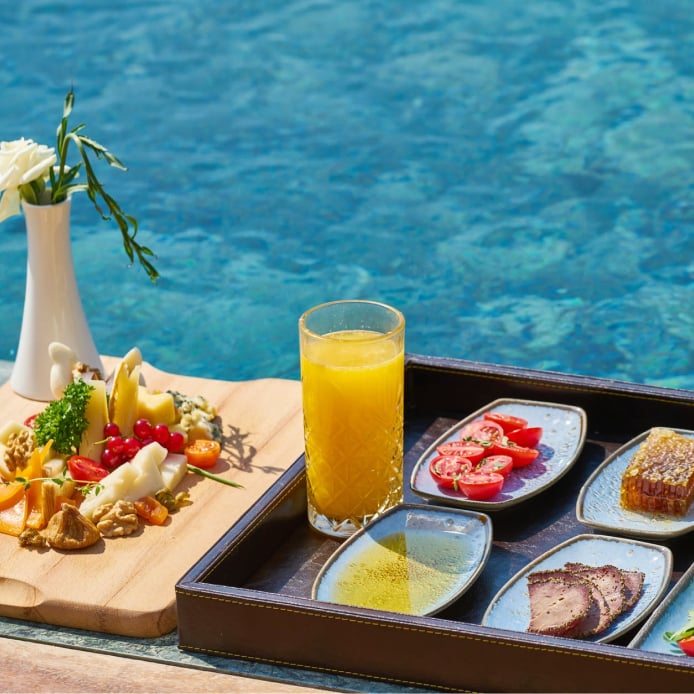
<point>563,436</point>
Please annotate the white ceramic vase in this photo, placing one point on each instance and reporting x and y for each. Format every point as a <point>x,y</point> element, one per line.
<point>52,306</point>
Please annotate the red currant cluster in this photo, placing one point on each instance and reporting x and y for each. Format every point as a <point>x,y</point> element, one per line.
<point>120,449</point>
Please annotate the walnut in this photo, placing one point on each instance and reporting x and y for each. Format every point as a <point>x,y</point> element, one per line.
<point>69,529</point>
<point>19,447</point>
<point>116,519</point>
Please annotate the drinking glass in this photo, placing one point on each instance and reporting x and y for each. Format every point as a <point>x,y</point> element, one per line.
<point>352,374</point>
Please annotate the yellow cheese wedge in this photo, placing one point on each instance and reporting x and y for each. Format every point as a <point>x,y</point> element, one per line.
<point>92,443</point>
<point>158,408</point>
<point>122,406</point>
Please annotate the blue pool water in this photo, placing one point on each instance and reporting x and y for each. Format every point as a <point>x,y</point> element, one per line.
<point>516,177</point>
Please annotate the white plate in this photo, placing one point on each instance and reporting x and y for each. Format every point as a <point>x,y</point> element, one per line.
<point>563,436</point>
<point>510,609</point>
<point>671,615</point>
<point>598,503</point>
<point>451,547</point>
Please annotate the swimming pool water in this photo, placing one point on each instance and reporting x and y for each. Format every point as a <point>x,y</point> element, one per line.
<point>517,178</point>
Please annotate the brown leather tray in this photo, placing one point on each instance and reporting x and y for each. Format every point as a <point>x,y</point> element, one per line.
<point>249,596</point>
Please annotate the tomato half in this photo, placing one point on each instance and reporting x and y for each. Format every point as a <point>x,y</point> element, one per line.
<point>521,455</point>
<point>447,469</point>
<point>508,422</point>
<point>502,464</point>
<point>528,437</point>
<point>474,452</point>
<point>202,452</point>
<point>481,485</point>
<point>482,431</point>
<point>31,420</point>
<point>83,469</point>
<point>687,645</point>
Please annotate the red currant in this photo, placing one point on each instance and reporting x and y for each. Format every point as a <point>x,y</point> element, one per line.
<point>175,442</point>
<point>111,429</point>
<point>110,459</point>
<point>130,447</point>
<point>160,434</point>
<point>142,429</point>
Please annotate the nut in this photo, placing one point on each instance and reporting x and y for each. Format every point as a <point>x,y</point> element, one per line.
<point>19,447</point>
<point>116,519</point>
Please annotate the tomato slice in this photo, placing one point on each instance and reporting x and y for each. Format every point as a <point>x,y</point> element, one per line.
<point>687,645</point>
<point>508,422</point>
<point>474,452</point>
<point>83,469</point>
<point>447,469</point>
<point>528,437</point>
<point>202,452</point>
<point>31,420</point>
<point>482,431</point>
<point>521,455</point>
<point>502,464</point>
<point>481,485</point>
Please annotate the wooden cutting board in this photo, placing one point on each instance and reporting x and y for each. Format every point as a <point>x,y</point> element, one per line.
<point>126,585</point>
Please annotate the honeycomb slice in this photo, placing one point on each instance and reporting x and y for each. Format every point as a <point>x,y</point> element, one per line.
<point>660,476</point>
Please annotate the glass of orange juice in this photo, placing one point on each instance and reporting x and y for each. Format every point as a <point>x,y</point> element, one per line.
<point>352,375</point>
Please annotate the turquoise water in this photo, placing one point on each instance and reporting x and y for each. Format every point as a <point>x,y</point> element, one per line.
<point>516,177</point>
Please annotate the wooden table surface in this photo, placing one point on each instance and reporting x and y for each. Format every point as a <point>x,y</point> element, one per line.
<point>269,412</point>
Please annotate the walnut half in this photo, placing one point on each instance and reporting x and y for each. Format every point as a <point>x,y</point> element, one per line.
<point>69,529</point>
<point>116,519</point>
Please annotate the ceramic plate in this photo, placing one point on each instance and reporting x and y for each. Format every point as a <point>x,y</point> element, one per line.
<point>413,559</point>
<point>564,433</point>
<point>510,609</point>
<point>598,502</point>
<point>671,615</point>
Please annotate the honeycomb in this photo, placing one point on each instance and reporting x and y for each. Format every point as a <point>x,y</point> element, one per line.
<point>660,476</point>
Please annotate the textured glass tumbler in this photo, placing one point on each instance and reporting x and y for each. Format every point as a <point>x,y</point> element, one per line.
<point>352,375</point>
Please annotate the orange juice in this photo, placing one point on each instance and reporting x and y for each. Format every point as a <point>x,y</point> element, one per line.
<point>353,419</point>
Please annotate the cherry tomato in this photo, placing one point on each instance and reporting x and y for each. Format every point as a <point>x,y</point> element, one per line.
<point>482,431</point>
<point>508,422</point>
<point>31,420</point>
<point>446,469</point>
<point>202,452</point>
<point>687,645</point>
<point>481,485</point>
<point>83,469</point>
<point>502,464</point>
<point>528,437</point>
<point>521,456</point>
<point>474,452</point>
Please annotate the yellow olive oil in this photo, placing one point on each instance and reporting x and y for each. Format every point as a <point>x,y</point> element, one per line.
<point>406,573</point>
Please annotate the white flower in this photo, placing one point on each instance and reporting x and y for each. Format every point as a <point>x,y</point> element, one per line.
<point>21,162</point>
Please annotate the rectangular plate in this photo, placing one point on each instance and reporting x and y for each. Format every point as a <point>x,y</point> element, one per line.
<point>249,596</point>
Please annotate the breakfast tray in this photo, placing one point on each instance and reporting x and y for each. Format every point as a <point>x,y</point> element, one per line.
<point>249,595</point>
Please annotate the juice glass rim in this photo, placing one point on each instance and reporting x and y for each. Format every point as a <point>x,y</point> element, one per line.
<point>330,337</point>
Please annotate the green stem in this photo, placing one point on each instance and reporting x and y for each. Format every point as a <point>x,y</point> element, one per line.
<point>216,478</point>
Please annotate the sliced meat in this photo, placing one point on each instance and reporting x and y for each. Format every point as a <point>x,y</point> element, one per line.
<point>633,584</point>
<point>557,605</point>
<point>598,617</point>
<point>609,580</point>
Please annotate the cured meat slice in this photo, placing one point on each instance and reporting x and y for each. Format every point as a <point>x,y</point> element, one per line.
<point>557,605</point>
<point>598,616</point>
<point>633,584</point>
<point>609,580</point>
